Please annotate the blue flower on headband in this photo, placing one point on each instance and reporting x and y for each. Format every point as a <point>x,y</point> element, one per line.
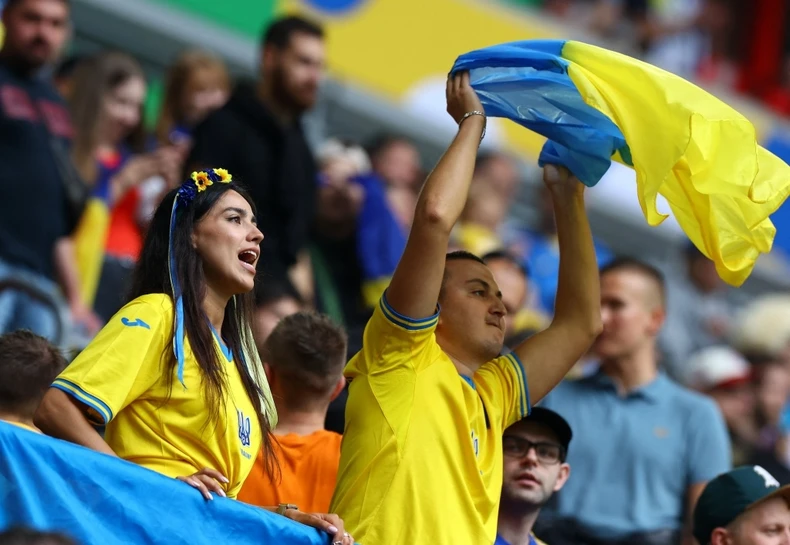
<point>187,192</point>
<point>213,176</point>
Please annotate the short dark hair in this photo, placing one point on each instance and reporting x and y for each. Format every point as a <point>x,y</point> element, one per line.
<point>28,365</point>
<point>383,141</point>
<point>458,255</point>
<point>487,156</point>
<point>307,350</point>
<point>505,255</point>
<point>280,31</point>
<point>639,267</point>
<point>13,3</point>
<point>27,536</point>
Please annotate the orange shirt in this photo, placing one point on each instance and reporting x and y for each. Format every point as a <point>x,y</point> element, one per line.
<point>309,467</point>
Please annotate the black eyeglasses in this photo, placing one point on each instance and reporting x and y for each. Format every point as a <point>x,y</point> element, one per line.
<point>518,447</point>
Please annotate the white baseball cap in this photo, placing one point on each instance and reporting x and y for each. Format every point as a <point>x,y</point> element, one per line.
<point>716,367</point>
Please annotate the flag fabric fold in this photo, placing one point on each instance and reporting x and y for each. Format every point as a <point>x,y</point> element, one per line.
<point>99,500</point>
<point>595,106</point>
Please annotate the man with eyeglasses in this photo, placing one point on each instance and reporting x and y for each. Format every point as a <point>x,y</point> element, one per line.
<point>535,449</point>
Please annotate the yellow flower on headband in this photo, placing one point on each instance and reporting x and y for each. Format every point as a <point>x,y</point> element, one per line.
<point>225,177</point>
<point>201,179</point>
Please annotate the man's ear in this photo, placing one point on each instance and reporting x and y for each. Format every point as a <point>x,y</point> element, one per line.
<point>562,478</point>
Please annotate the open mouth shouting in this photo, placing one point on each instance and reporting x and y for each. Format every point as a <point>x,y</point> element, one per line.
<point>248,259</point>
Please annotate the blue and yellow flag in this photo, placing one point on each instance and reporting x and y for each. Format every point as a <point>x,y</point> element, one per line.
<point>596,105</point>
<point>52,485</point>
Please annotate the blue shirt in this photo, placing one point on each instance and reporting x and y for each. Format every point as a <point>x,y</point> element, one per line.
<point>634,457</point>
<point>500,541</point>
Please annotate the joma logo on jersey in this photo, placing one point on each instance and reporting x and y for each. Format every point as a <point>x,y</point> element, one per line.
<point>244,428</point>
<point>475,443</point>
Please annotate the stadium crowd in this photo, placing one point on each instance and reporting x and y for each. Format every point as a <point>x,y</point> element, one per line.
<point>679,383</point>
<point>722,44</point>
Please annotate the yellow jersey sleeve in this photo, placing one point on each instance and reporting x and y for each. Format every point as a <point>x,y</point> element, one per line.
<point>393,341</point>
<point>504,382</point>
<point>124,360</point>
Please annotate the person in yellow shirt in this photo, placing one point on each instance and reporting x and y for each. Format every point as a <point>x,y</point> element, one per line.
<point>28,365</point>
<point>174,377</point>
<point>430,396</point>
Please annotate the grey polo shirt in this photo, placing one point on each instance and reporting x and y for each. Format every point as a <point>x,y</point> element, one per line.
<point>633,457</point>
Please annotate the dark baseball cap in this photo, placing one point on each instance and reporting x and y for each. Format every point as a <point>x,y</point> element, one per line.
<point>554,422</point>
<point>730,495</point>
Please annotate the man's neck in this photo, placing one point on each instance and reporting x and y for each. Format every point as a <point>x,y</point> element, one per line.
<point>465,364</point>
<point>633,371</point>
<point>16,419</point>
<point>283,114</point>
<point>301,423</point>
<point>516,522</point>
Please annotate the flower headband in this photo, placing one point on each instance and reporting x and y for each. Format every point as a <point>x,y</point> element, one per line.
<point>200,180</point>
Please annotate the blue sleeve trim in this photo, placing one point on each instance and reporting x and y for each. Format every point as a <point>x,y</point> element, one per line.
<point>410,324</point>
<point>84,397</point>
<point>526,407</point>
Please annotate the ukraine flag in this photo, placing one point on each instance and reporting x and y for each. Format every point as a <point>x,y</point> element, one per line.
<point>596,105</point>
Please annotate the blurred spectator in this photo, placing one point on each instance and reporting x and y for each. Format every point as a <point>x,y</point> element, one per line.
<point>379,236</point>
<point>500,173</point>
<point>276,302</point>
<point>478,230</point>
<point>511,277</point>
<point>258,137</point>
<point>762,330</point>
<point>724,375</point>
<point>773,392</point>
<point>336,250</point>
<point>63,77</point>
<point>304,359</point>
<point>700,309</point>
<point>397,161</point>
<point>645,445</point>
<point>197,84</point>
<point>541,251</point>
<point>40,185</point>
<point>109,145</point>
<point>534,469</point>
<point>26,536</point>
<point>28,365</point>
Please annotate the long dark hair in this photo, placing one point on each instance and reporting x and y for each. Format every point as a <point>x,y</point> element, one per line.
<point>151,276</point>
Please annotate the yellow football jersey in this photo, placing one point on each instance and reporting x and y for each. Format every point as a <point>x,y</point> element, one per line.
<point>122,377</point>
<point>421,459</point>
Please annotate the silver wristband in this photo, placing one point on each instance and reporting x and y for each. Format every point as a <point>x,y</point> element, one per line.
<point>476,112</point>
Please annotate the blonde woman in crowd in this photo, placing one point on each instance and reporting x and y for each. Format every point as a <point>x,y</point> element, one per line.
<point>197,83</point>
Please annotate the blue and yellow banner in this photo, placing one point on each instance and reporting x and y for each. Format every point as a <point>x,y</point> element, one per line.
<point>96,499</point>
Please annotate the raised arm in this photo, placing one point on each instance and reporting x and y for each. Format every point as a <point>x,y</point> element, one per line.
<point>414,289</point>
<point>550,354</point>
